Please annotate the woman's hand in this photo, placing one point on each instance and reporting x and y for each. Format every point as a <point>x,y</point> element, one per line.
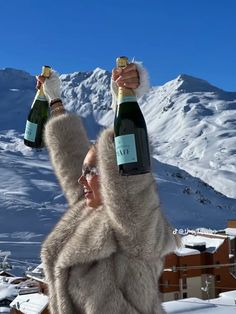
<point>127,77</point>
<point>51,85</point>
<point>40,80</point>
<point>51,88</point>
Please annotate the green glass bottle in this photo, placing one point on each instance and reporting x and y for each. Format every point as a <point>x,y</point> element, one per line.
<point>131,139</point>
<point>37,117</point>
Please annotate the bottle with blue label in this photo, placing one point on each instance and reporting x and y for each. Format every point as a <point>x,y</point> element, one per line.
<point>131,139</point>
<point>37,117</point>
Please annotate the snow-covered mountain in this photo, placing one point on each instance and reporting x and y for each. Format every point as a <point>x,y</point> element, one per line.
<point>193,125</point>
<point>192,129</point>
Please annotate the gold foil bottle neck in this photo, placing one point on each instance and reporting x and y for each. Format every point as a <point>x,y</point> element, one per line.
<point>46,71</point>
<point>122,62</point>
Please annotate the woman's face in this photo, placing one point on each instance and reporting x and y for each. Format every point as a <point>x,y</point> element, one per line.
<point>90,180</point>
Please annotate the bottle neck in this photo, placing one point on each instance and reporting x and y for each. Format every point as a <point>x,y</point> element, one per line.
<point>126,95</point>
<point>40,94</point>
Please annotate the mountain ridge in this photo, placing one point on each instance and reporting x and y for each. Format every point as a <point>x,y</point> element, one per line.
<point>199,115</point>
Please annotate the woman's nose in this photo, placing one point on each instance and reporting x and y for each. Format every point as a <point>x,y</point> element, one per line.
<point>81,179</point>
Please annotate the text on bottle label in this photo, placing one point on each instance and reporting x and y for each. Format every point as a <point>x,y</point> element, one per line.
<point>30,131</point>
<point>125,149</point>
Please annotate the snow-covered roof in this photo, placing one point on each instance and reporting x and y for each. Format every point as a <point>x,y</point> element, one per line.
<point>4,310</point>
<point>37,273</point>
<point>228,294</point>
<point>33,303</point>
<point>38,269</point>
<point>228,297</point>
<point>212,243</point>
<point>6,273</point>
<point>231,232</point>
<point>7,291</point>
<point>198,306</point>
<point>183,251</point>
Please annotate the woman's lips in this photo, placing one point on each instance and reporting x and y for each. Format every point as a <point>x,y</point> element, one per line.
<point>87,193</point>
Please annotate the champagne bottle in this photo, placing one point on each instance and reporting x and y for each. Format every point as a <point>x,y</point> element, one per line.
<point>131,139</point>
<point>37,116</point>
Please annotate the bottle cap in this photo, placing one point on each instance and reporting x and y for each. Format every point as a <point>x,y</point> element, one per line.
<point>122,62</point>
<point>46,71</point>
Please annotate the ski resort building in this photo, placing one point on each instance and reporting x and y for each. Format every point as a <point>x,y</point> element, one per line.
<point>203,268</point>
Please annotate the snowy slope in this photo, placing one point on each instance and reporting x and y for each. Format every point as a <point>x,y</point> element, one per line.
<point>30,200</point>
<point>195,130</point>
<point>191,126</point>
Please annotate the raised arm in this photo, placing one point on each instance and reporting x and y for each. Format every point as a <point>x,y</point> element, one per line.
<point>67,144</point>
<point>66,141</point>
<point>133,206</point>
<point>132,202</point>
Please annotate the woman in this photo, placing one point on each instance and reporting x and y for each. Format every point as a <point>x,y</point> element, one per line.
<point>106,253</point>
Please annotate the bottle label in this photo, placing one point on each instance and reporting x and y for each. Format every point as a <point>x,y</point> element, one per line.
<point>125,149</point>
<point>30,131</point>
<point>122,99</point>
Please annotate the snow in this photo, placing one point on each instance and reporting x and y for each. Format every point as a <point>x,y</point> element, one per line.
<point>230,231</point>
<point>37,273</point>
<point>212,244</point>
<point>227,297</point>
<point>4,310</point>
<point>195,129</point>
<point>192,129</point>
<point>33,303</point>
<point>38,269</point>
<point>198,306</point>
<point>7,290</point>
<point>225,304</point>
<point>186,251</point>
<point>8,287</point>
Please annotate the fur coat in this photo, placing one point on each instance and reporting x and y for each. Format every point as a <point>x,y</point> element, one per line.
<point>106,260</point>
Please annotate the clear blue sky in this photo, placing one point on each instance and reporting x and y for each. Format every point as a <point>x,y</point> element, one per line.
<point>195,37</point>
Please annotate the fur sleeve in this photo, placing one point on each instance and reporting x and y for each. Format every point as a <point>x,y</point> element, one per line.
<point>67,144</point>
<point>133,206</point>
